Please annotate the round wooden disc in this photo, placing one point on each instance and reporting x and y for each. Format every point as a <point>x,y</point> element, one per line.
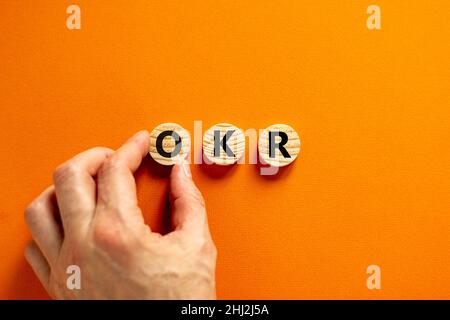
<point>236,143</point>
<point>169,143</point>
<point>292,146</point>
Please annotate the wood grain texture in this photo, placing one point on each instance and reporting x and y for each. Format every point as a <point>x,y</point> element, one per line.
<point>292,146</point>
<point>236,143</point>
<point>169,143</point>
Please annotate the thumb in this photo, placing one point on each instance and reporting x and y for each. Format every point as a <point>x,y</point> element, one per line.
<point>188,206</point>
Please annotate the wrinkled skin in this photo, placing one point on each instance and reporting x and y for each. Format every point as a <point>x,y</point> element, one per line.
<point>90,218</point>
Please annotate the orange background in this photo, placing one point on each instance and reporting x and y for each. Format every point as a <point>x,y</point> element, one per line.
<point>371,185</point>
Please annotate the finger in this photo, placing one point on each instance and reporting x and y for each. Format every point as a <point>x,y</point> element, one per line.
<point>188,206</point>
<point>76,189</point>
<point>116,184</point>
<point>41,217</point>
<point>38,263</point>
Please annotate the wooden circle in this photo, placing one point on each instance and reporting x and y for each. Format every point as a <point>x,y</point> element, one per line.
<point>168,143</point>
<point>235,143</point>
<point>292,145</point>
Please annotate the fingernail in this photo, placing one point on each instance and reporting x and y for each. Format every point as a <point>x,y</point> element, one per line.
<point>187,168</point>
<point>139,134</point>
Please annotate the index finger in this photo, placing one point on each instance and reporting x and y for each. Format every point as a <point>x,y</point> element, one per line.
<point>116,184</point>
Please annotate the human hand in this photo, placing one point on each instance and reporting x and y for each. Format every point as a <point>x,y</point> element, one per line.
<point>91,218</point>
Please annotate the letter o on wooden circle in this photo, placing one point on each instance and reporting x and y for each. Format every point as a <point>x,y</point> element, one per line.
<point>170,143</point>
